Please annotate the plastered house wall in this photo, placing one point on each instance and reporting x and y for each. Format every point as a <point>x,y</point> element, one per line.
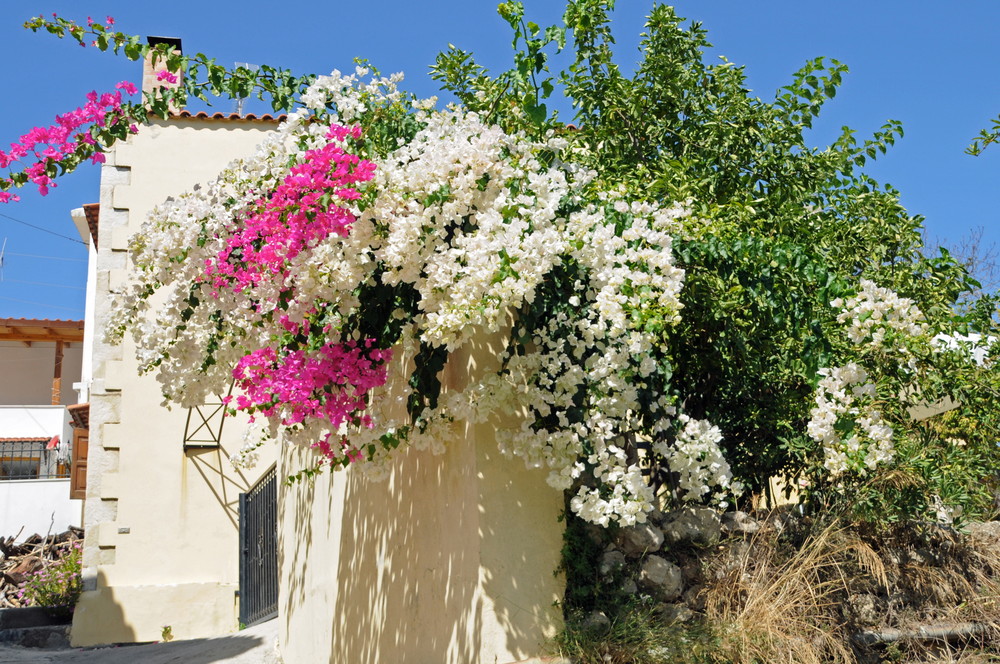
<point>27,373</point>
<point>451,560</point>
<point>161,546</point>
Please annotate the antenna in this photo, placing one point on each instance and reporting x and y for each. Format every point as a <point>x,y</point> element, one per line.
<point>3,248</point>
<point>238,103</point>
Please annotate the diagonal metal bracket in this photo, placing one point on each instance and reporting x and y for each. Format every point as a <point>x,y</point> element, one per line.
<point>203,429</point>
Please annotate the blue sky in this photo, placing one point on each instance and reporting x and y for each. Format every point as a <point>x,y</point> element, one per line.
<point>930,65</point>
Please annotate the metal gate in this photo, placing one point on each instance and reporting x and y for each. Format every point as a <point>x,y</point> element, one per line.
<point>259,551</point>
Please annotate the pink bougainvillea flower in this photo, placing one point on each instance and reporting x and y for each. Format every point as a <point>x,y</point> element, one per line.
<point>50,145</point>
<point>166,76</point>
<point>294,217</point>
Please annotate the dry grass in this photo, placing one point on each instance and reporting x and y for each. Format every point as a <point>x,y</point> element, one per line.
<point>788,598</point>
<point>781,606</point>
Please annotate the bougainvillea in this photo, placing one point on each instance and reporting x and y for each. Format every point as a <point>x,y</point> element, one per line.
<point>458,227</point>
<point>73,137</point>
<point>658,279</point>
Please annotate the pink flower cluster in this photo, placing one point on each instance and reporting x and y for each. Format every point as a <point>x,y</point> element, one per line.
<point>329,384</point>
<point>299,213</point>
<point>51,145</point>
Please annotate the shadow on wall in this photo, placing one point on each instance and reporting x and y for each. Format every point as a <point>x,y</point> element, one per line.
<point>110,622</point>
<point>451,560</point>
<point>224,481</point>
<point>99,613</point>
<point>409,564</point>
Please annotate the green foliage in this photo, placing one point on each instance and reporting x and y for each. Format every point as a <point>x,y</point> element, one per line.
<point>199,75</point>
<point>985,138</point>
<point>56,586</point>
<point>780,228</point>
<point>637,635</point>
<point>783,229</point>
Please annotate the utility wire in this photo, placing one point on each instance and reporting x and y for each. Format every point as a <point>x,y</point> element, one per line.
<point>51,258</point>
<point>42,283</point>
<point>44,230</point>
<point>41,304</point>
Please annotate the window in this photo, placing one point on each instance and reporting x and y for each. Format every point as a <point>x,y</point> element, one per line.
<point>28,459</point>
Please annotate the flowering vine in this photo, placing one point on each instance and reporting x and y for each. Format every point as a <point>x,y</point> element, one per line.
<point>437,234</point>
<point>75,137</point>
<point>372,237</point>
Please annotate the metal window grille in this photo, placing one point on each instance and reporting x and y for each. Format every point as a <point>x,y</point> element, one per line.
<point>27,459</point>
<point>259,551</point>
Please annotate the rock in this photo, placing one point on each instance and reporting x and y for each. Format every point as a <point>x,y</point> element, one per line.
<point>639,539</point>
<point>783,517</point>
<point>984,534</point>
<point>739,523</point>
<point>661,579</point>
<point>611,561</point>
<point>694,597</point>
<point>864,609</point>
<point>629,587</point>
<point>595,533</point>
<point>675,613</point>
<point>698,525</point>
<point>655,516</point>
<point>597,622</point>
<point>691,570</point>
<point>922,557</point>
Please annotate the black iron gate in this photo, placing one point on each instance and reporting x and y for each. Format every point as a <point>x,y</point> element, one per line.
<point>259,551</point>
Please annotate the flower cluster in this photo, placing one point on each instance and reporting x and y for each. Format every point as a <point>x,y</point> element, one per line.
<point>698,463</point>
<point>972,345</point>
<point>303,266</point>
<point>875,312</point>
<point>300,212</point>
<point>850,430</point>
<point>56,585</point>
<point>329,384</point>
<point>71,132</point>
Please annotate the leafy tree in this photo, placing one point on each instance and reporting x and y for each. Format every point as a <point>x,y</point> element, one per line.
<point>787,227</point>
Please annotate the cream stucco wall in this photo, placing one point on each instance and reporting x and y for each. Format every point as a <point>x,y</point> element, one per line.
<point>450,561</point>
<point>162,522</point>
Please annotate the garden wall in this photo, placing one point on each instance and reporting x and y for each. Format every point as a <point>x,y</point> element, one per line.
<point>450,560</point>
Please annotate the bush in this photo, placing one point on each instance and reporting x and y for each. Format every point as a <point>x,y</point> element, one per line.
<point>57,585</point>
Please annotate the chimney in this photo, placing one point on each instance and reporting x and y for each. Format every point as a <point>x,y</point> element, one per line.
<point>150,72</point>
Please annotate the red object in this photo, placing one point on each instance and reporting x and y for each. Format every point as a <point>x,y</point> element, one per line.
<point>53,444</point>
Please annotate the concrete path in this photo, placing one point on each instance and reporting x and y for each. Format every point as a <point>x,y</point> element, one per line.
<point>254,645</point>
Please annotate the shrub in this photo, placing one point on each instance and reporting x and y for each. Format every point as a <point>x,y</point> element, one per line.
<point>56,585</point>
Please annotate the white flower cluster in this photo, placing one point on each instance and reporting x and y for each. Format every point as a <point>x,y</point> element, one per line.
<point>479,226</point>
<point>874,311</point>
<point>588,361</point>
<point>697,461</point>
<point>470,219</point>
<point>845,422</point>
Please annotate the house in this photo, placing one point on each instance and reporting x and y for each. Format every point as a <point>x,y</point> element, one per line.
<point>162,499</point>
<point>451,560</point>
<point>36,432</point>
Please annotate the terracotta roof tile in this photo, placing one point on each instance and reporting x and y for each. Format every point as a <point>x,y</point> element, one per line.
<point>93,213</point>
<point>247,117</point>
<point>80,415</point>
<point>26,439</point>
<point>40,329</point>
